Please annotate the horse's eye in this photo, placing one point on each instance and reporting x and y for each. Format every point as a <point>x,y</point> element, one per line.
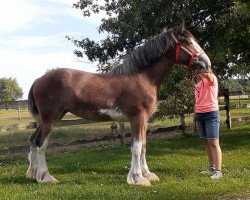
<point>184,35</point>
<point>187,41</point>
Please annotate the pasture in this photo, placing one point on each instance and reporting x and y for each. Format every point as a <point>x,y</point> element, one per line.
<point>99,172</point>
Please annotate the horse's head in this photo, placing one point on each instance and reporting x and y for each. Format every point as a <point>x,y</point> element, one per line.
<point>188,51</point>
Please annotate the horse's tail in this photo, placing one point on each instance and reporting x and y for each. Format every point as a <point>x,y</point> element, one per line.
<point>32,104</point>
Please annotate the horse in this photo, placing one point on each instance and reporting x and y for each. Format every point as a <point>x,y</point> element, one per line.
<point>127,93</point>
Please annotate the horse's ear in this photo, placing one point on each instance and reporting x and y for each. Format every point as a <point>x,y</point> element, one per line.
<point>182,27</point>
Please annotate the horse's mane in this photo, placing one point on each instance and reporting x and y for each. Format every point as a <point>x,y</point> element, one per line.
<point>144,55</point>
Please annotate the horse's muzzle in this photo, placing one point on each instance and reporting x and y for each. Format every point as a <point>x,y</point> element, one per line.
<point>201,64</point>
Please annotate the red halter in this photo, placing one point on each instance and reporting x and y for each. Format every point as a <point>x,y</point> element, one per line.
<point>188,51</point>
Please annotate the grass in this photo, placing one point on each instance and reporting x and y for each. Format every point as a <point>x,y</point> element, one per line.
<point>10,117</point>
<point>100,172</point>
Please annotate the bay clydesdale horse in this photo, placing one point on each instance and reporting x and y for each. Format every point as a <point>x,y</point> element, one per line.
<point>127,93</point>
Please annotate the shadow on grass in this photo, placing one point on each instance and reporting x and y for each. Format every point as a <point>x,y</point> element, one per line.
<point>19,180</point>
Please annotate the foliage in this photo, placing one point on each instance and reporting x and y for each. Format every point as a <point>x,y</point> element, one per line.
<point>245,84</point>
<point>176,94</point>
<point>9,89</point>
<point>232,85</point>
<point>221,26</point>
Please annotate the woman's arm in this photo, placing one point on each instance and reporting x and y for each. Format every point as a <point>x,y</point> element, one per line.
<point>208,76</point>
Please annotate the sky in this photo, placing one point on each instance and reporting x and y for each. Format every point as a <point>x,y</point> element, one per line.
<point>32,38</point>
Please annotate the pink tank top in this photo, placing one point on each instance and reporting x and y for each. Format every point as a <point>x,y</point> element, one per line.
<point>206,96</point>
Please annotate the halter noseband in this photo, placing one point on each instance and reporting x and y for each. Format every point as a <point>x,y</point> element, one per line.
<point>188,51</point>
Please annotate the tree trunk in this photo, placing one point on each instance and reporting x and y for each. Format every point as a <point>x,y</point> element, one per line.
<point>239,102</point>
<point>183,123</point>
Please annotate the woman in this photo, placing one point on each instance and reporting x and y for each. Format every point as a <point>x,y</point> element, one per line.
<point>208,120</point>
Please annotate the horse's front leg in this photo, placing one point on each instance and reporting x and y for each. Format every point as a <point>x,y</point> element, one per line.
<point>145,171</point>
<point>135,174</point>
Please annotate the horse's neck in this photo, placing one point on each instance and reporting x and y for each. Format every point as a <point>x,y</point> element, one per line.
<point>159,70</point>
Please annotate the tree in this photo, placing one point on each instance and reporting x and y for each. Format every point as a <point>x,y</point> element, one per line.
<point>9,89</point>
<point>232,85</point>
<point>176,96</point>
<point>221,26</point>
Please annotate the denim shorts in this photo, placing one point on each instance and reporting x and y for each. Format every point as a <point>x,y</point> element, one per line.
<point>208,124</point>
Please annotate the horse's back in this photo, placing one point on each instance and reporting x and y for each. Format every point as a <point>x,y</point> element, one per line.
<point>54,91</point>
<point>93,96</point>
<point>81,93</point>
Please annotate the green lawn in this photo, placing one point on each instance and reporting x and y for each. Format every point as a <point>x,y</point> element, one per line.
<point>235,101</point>
<point>100,172</point>
<point>10,117</point>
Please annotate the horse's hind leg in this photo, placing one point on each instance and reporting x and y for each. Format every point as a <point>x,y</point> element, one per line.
<point>31,172</point>
<point>38,167</point>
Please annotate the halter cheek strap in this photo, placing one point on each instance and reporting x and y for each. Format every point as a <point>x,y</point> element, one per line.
<point>192,54</point>
<point>177,53</point>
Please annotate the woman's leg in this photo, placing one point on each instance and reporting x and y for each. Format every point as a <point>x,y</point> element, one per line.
<point>216,153</point>
<point>203,135</point>
<point>209,152</point>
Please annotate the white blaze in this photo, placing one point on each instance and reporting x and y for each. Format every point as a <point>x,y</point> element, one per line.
<point>199,49</point>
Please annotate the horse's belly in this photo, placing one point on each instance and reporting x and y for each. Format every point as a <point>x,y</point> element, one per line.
<point>114,114</point>
<point>102,114</point>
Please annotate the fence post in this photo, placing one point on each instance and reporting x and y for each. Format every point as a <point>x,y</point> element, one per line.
<point>227,108</point>
<point>183,123</point>
<point>18,108</point>
<point>122,129</point>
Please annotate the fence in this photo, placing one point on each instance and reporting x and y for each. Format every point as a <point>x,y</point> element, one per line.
<point>23,104</point>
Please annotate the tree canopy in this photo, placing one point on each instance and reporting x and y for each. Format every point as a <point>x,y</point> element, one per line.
<point>221,26</point>
<point>232,85</point>
<point>9,89</point>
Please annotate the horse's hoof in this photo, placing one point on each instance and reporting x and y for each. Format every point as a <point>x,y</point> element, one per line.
<point>138,181</point>
<point>54,181</point>
<point>143,181</point>
<point>46,178</point>
<point>151,177</point>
